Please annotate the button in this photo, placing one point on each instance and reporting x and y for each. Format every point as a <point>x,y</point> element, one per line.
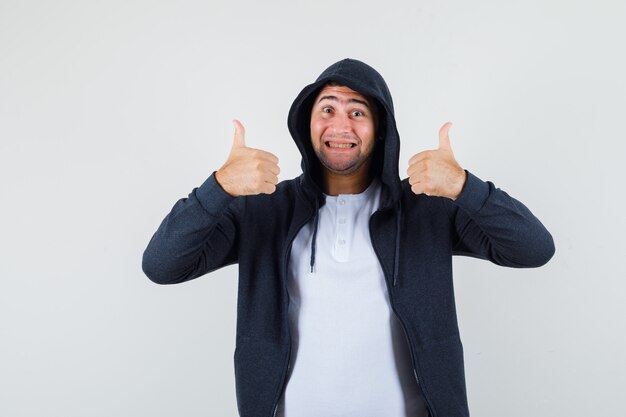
<point>342,220</point>
<point>342,201</point>
<point>342,242</point>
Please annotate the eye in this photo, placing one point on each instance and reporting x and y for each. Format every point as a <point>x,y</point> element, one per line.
<point>326,109</point>
<point>357,113</point>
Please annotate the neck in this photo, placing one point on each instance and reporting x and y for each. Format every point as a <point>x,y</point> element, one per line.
<point>355,183</point>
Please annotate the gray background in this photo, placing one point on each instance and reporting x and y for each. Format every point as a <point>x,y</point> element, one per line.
<point>110,111</point>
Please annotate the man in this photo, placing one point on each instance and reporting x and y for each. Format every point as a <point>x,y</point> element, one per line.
<point>345,297</point>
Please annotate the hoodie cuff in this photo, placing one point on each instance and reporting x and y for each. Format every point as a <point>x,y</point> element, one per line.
<point>474,194</point>
<point>212,196</point>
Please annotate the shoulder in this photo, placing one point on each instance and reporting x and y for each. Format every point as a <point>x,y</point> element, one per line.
<point>415,200</point>
<point>285,195</point>
<point>424,205</point>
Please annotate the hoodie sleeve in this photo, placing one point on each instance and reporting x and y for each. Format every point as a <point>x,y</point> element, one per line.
<point>198,236</point>
<point>492,225</point>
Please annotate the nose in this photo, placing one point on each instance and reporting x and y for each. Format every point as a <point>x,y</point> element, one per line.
<point>341,124</point>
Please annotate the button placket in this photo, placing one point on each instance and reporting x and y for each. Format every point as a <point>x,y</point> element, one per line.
<point>341,239</point>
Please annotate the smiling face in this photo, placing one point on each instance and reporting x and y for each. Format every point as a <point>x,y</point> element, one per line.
<point>343,130</point>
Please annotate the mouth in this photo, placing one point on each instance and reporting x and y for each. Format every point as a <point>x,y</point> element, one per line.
<point>339,145</point>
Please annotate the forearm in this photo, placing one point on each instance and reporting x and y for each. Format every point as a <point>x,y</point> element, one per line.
<point>493,225</point>
<point>196,237</point>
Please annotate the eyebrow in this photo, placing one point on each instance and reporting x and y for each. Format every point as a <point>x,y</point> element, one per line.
<point>352,100</point>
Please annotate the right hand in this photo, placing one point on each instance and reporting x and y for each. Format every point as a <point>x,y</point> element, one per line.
<point>247,171</point>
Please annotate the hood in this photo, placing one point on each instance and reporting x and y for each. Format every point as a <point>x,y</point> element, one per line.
<point>365,80</point>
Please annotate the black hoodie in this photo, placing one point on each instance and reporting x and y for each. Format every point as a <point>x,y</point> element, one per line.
<point>414,237</point>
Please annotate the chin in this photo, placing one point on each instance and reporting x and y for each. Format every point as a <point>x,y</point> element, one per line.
<point>343,169</point>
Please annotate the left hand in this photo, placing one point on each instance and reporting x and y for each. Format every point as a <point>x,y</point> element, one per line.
<point>436,172</point>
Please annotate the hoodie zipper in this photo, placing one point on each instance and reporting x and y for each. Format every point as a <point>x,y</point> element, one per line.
<point>404,331</point>
<point>285,263</point>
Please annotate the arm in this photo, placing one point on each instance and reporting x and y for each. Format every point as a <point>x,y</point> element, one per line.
<point>489,223</point>
<point>198,236</point>
<point>492,225</point>
<point>201,232</point>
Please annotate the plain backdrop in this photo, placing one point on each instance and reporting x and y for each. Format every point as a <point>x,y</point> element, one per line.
<point>110,111</point>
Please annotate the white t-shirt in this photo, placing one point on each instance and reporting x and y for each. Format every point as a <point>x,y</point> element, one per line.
<point>349,353</point>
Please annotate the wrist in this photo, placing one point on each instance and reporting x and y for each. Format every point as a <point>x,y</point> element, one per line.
<point>462,179</point>
<point>219,181</point>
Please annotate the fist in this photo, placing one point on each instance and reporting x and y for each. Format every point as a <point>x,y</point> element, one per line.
<point>247,171</point>
<point>436,172</point>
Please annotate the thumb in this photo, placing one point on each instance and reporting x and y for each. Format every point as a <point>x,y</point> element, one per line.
<point>444,139</point>
<point>240,133</point>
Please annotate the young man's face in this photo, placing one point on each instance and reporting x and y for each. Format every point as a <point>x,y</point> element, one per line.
<point>343,129</point>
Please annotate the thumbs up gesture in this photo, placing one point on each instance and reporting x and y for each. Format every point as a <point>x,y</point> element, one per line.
<point>436,172</point>
<point>247,171</point>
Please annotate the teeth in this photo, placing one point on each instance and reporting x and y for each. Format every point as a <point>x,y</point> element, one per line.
<point>340,145</point>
